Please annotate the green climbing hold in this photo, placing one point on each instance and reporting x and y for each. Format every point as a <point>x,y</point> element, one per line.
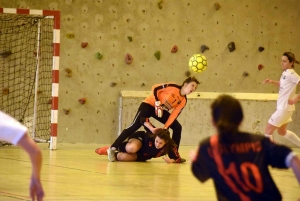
<point>70,35</point>
<point>129,38</point>
<point>157,55</point>
<point>99,55</point>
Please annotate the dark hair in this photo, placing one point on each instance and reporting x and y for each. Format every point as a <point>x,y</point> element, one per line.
<point>189,80</point>
<point>227,114</point>
<point>291,57</point>
<point>165,135</point>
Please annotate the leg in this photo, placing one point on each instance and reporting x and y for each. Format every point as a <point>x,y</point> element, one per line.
<point>126,156</point>
<point>291,136</point>
<point>176,128</point>
<point>269,131</point>
<point>132,146</point>
<point>282,129</point>
<point>144,110</point>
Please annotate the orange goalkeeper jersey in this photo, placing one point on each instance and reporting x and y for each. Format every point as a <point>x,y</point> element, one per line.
<point>169,96</point>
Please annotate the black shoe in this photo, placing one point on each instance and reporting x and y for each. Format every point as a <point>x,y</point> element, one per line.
<point>182,160</point>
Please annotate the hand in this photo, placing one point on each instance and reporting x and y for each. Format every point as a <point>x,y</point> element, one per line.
<point>158,109</point>
<point>293,101</point>
<point>267,81</point>
<point>154,130</point>
<point>36,189</point>
<point>193,155</point>
<point>168,160</point>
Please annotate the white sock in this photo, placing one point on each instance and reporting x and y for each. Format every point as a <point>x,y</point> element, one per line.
<point>291,136</point>
<point>270,137</point>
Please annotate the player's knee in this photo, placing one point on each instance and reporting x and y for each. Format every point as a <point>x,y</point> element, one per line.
<point>120,156</point>
<point>131,148</point>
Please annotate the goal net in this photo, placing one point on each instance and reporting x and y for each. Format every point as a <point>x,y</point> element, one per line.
<point>26,70</point>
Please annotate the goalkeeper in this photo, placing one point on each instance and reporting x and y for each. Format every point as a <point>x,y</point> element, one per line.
<point>164,97</point>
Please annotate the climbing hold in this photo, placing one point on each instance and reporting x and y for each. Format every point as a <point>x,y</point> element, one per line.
<point>128,58</point>
<point>260,49</point>
<point>143,84</point>
<point>50,101</point>
<point>129,38</point>
<point>231,46</point>
<point>98,55</point>
<point>113,84</point>
<point>174,49</point>
<point>84,44</point>
<point>5,91</point>
<point>159,4</point>
<point>203,48</point>
<point>70,35</point>
<point>157,55</point>
<point>66,111</point>
<point>6,53</point>
<point>187,73</point>
<point>217,6</point>
<point>82,101</point>
<point>68,72</point>
<point>260,66</point>
<point>245,74</point>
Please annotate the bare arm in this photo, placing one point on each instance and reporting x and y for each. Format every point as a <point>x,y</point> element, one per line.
<point>150,127</point>
<point>295,99</point>
<point>36,189</point>
<point>295,165</point>
<point>276,83</point>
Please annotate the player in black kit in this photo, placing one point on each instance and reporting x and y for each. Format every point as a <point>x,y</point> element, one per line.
<point>144,145</point>
<point>237,161</point>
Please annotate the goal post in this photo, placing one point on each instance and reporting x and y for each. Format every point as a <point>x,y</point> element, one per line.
<point>29,70</point>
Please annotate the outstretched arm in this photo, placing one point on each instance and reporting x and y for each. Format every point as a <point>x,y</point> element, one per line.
<point>295,99</point>
<point>36,189</point>
<point>276,83</point>
<point>295,165</point>
<point>150,127</point>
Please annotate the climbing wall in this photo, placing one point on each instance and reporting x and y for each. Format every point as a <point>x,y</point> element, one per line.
<point>115,45</point>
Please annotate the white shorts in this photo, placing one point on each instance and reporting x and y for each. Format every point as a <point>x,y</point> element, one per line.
<point>10,129</point>
<point>280,117</point>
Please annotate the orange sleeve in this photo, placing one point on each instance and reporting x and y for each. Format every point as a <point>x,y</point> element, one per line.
<point>156,92</point>
<point>175,113</point>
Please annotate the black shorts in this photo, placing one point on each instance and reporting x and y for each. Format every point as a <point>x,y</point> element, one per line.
<point>138,135</point>
<point>141,154</point>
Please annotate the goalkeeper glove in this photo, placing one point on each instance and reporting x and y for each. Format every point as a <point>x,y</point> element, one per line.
<point>158,109</point>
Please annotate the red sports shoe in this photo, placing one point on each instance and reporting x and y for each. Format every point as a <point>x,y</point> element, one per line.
<point>102,150</point>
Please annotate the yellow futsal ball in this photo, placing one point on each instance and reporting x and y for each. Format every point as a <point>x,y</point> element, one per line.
<point>198,63</point>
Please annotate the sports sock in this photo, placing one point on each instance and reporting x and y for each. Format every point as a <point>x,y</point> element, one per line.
<point>270,137</point>
<point>291,136</point>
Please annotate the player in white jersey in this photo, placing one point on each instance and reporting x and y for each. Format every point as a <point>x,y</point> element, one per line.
<point>286,100</point>
<point>12,131</point>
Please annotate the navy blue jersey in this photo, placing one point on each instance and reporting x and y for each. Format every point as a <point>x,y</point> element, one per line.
<point>238,164</point>
<point>148,149</point>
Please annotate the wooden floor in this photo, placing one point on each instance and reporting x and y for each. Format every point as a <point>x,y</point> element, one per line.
<point>75,172</point>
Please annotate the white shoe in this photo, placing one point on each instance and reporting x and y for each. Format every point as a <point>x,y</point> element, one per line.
<point>111,154</point>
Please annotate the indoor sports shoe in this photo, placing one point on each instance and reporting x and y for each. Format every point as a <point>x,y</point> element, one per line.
<point>102,150</point>
<point>182,160</point>
<point>111,152</point>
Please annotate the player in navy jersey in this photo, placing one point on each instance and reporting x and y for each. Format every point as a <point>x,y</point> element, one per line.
<point>144,145</point>
<point>151,146</point>
<point>238,161</point>
<point>286,100</point>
